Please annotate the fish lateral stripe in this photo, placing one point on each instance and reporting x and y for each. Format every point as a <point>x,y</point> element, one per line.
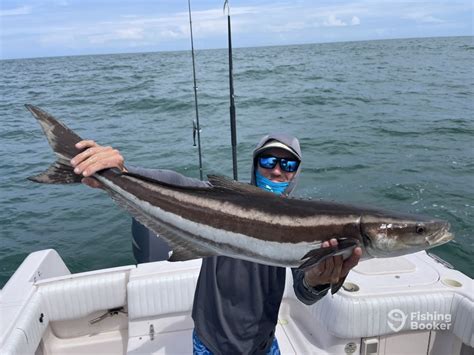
<point>231,217</point>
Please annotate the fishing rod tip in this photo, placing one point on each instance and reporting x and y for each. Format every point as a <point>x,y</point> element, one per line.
<point>226,4</point>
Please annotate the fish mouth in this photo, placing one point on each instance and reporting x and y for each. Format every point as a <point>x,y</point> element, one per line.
<point>440,237</point>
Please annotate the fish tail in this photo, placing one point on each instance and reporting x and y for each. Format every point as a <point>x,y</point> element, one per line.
<point>62,140</point>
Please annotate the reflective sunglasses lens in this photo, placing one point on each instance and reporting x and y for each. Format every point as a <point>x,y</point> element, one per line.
<point>267,162</point>
<point>289,166</point>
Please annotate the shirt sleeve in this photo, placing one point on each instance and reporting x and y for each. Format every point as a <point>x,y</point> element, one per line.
<point>302,293</point>
<point>168,177</point>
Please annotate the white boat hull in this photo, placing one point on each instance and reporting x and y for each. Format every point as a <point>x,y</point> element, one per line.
<point>46,310</point>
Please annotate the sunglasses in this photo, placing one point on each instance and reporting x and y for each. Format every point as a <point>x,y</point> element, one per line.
<point>269,162</point>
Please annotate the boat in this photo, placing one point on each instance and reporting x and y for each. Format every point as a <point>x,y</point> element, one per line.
<point>413,304</point>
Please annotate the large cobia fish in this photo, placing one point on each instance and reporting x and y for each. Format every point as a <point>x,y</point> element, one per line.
<point>243,221</point>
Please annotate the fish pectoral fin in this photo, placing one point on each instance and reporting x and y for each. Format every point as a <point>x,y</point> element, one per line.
<point>316,256</point>
<point>179,253</point>
<point>335,287</point>
<point>181,248</point>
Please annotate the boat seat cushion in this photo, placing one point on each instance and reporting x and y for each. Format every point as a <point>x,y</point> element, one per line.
<point>164,294</point>
<point>74,298</point>
<point>346,317</point>
<point>463,319</point>
<point>69,298</point>
<point>171,291</point>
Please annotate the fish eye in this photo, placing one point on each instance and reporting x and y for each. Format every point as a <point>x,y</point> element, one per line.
<point>420,229</point>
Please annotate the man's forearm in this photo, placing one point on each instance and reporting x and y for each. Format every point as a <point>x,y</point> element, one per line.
<point>305,293</point>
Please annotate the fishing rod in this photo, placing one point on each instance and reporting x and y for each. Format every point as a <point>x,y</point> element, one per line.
<point>233,125</point>
<point>196,126</point>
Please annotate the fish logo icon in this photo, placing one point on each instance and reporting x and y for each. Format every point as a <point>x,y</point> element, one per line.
<point>396,319</point>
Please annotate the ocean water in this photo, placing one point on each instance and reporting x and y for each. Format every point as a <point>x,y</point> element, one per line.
<point>383,123</point>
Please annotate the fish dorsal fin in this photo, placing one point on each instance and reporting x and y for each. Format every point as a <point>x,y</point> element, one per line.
<point>155,180</point>
<point>227,184</point>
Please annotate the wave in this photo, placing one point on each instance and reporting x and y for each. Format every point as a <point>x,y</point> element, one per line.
<point>152,103</point>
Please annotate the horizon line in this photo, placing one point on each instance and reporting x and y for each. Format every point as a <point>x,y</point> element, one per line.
<point>224,48</point>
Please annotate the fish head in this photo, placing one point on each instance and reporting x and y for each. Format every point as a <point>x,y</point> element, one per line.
<point>389,236</point>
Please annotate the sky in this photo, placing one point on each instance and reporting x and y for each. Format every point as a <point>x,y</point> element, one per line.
<point>45,28</point>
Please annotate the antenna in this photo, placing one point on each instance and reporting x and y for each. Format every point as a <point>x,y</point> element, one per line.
<point>196,126</point>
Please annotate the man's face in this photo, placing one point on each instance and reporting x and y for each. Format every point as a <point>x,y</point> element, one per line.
<point>277,174</point>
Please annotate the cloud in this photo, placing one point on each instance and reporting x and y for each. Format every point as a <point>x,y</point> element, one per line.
<point>103,26</point>
<point>129,37</point>
<point>235,11</point>
<point>355,21</point>
<point>301,19</point>
<point>167,27</point>
<point>130,33</point>
<point>171,34</point>
<point>59,39</point>
<point>333,21</point>
<point>422,17</point>
<point>288,27</point>
<point>22,10</point>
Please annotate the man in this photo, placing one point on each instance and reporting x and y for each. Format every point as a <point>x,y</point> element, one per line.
<point>236,302</point>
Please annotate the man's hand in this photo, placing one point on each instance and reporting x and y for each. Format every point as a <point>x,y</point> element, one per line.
<point>95,158</point>
<point>331,270</point>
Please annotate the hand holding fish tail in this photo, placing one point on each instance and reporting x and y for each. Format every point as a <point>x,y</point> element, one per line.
<point>332,269</point>
<point>94,158</point>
